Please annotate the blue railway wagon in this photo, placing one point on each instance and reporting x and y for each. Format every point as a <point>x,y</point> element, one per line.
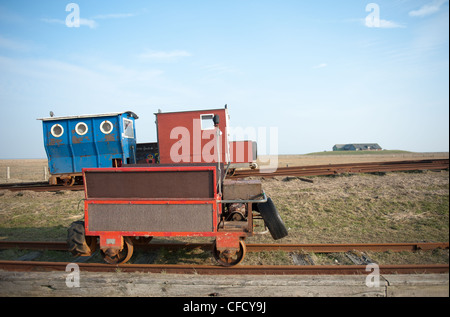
<point>88,141</point>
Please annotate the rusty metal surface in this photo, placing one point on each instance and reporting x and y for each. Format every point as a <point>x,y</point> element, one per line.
<point>333,169</point>
<point>34,245</point>
<point>330,248</point>
<point>241,189</point>
<point>319,248</point>
<point>314,170</point>
<point>218,270</point>
<point>39,187</point>
<point>120,183</point>
<point>151,217</point>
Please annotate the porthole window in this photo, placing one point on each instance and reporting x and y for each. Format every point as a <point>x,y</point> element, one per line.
<point>57,130</point>
<point>81,128</point>
<point>106,127</point>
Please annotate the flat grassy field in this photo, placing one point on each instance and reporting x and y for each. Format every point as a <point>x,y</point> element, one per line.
<point>343,157</point>
<point>360,208</point>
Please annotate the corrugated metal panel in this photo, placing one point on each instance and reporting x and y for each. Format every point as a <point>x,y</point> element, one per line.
<point>151,218</point>
<point>73,143</point>
<point>138,183</point>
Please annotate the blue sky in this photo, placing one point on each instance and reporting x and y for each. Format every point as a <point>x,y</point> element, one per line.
<point>321,72</point>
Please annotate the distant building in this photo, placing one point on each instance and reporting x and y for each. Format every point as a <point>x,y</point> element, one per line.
<point>357,147</point>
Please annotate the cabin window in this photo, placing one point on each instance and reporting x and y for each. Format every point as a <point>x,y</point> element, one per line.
<point>106,127</point>
<point>207,121</point>
<point>128,131</point>
<point>81,128</point>
<point>57,130</point>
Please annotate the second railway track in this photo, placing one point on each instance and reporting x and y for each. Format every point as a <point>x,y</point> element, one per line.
<point>334,169</point>
<point>313,170</point>
<point>254,247</point>
<point>240,269</point>
<point>219,270</point>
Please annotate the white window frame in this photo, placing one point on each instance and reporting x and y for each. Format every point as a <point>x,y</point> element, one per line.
<point>81,124</point>
<point>132,127</point>
<point>52,130</point>
<point>101,127</point>
<point>210,116</point>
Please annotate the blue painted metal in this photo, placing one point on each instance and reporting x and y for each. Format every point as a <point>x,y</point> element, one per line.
<point>83,144</point>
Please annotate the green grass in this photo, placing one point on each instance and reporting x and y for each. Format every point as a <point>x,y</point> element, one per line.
<point>398,207</point>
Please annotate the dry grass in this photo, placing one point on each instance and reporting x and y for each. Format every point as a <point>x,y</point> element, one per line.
<point>38,216</point>
<point>23,170</point>
<point>397,207</point>
<point>347,157</point>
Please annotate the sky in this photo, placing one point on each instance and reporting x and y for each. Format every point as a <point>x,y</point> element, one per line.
<point>318,73</point>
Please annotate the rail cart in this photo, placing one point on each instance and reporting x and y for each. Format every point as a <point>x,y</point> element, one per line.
<point>76,142</point>
<point>128,205</point>
<point>132,204</point>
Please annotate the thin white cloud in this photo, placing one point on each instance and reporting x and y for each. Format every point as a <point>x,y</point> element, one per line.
<point>83,22</point>
<point>428,9</point>
<point>383,24</point>
<point>219,69</point>
<point>164,55</point>
<point>88,22</point>
<point>323,65</point>
<point>56,21</point>
<point>113,16</point>
<point>12,44</point>
<point>92,22</point>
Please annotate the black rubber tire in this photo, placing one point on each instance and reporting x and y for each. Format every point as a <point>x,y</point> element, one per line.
<point>272,219</point>
<point>76,240</point>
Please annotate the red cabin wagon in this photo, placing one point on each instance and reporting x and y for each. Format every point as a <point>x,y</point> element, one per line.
<point>127,205</point>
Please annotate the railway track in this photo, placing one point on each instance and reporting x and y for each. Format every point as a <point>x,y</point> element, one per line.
<point>255,247</point>
<point>240,269</point>
<point>21,266</point>
<point>335,169</point>
<point>313,170</point>
<point>39,187</point>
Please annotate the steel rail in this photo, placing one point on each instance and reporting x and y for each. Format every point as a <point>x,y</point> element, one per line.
<point>313,170</point>
<point>20,266</point>
<point>318,248</point>
<point>334,169</point>
<point>38,187</point>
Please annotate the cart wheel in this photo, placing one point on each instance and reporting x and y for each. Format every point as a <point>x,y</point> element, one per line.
<point>68,181</point>
<point>77,242</point>
<point>113,256</point>
<point>229,257</point>
<point>272,219</point>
